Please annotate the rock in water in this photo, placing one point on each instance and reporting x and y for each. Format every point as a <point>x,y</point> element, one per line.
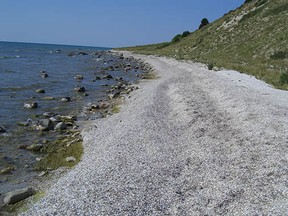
<point>79,89</point>
<point>18,195</point>
<point>65,99</point>
<point>44,74</point>
<point>45,125</point>
<point>7,170</point>
<point>78,77</point>
<point>2,129</point>
<point>35,147</point>
<point>41,91</point>
<point>61,126</point>
<point>30,105</point>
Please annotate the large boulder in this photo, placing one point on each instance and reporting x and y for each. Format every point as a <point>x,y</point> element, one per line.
<point>18,195</point>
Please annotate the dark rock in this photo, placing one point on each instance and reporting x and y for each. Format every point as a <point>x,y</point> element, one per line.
<point>35,147</point>
<point>79,89</point>
<point>22,146</point>
<point>98,78</point>
<point>108,76</point>
<point>30,105</point>
<point>44,74</point>
<point>82,53</point>
<point>65,99</point>
<point>41,91</point>
<point>18,195</point>
<point>78,77</point>
<point>2,129</point>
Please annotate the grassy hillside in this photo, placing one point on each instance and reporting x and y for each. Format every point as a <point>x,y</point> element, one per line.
<point>252,39</point>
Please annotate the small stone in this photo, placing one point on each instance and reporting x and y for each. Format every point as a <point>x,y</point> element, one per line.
<point>35,147</point>
<point>48,98</point>
<point>43,173</point>
<point>79,89</point>
<point>44,74</point>
<point>23,123</point>
<point>18,195</point>
<point>65,99</point>
<point>30,105</point>
<point>7,170</point>
<point>104,105</point>
<point>41,91</point>
<point>22,146</point>
<point>78,77</point>
<point>48,114</point>
<point>70,159</point>
<point>108,76</point>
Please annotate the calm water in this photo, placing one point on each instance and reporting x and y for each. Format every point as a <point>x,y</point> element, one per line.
<point>20,71</point>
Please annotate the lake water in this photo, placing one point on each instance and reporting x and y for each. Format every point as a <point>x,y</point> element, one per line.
<point>21,67</point>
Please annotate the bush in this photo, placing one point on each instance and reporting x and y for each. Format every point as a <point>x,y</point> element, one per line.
<point>247,1</point>
<point>176,39</point>
<point>185,34</point>
<point>279,55</point>
<point>210,65</point>
<point>204,22</point>
<point>283,79</point>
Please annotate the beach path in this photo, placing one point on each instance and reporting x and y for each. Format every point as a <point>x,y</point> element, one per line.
<point>192,142</point>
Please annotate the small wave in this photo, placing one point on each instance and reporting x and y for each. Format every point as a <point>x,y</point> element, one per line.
<point>9,57</point>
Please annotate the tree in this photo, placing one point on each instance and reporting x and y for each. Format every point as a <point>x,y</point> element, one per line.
<point>204,22</point>
<point>185,34</point>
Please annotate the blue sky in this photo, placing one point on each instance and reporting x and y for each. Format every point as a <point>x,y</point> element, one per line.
<point>106,23</point>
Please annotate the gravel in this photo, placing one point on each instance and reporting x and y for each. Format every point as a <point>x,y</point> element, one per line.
<point>193,142</point>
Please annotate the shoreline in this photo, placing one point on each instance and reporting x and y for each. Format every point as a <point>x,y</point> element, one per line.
<point>194,142</point>
<point>109,106</point>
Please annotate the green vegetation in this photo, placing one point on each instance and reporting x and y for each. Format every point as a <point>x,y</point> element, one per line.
<point>252,39</point>
<point>58,150</point>
<point>204,22</point>
<point>178,37</point>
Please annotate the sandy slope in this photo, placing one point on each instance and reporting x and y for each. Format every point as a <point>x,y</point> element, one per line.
<point>194,142</point>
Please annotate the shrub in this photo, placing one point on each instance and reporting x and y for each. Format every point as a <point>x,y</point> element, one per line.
<point>210,65</point>
<point>247,1</point>
<point>177,38</point>
<point>279,55</point>
<point>283,79</point>
<point>204,22</point>
<point>185,34</point>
